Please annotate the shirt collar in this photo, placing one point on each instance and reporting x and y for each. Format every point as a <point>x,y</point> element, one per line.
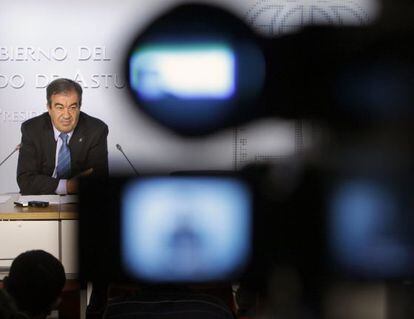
<point>56,133</point>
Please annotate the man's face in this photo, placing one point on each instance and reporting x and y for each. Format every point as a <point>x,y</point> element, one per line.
<point>64,111</point>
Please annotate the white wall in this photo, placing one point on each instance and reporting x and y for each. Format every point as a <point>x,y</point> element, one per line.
<point>86,41</point>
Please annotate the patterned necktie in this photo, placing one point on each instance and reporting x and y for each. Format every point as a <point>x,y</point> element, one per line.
<point>63,166</point>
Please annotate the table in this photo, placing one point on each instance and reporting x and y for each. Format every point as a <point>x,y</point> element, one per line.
<point>52,228</point>
<point>9,211</point>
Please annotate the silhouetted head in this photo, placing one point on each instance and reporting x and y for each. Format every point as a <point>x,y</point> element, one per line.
<point>35,282</point>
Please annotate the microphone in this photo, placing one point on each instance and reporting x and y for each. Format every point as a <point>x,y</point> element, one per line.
<point>120,149</point>
<point>14,151</point>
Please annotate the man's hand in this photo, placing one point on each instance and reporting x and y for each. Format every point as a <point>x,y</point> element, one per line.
<point>72,184</point>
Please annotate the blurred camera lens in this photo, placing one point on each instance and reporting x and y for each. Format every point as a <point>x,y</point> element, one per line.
<point>197,69</point>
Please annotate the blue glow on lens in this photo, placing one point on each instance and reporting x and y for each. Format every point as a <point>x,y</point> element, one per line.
<point>183,71</point>
<point>186,229</point>
<point>365,230</point>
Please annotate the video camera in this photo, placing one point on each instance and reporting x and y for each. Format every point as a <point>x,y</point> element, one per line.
<point>180,228</point>
<point>347,214</point>
<point>345,220</point>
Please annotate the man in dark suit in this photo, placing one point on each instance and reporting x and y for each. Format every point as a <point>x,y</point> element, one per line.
<point>62,144</point>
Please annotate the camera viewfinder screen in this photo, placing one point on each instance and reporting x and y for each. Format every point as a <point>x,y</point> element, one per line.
<point>183,71</point>
<point>372,229</point>
<point>185,229</point>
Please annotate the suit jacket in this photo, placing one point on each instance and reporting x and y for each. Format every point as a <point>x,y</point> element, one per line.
<point>88,147</point>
